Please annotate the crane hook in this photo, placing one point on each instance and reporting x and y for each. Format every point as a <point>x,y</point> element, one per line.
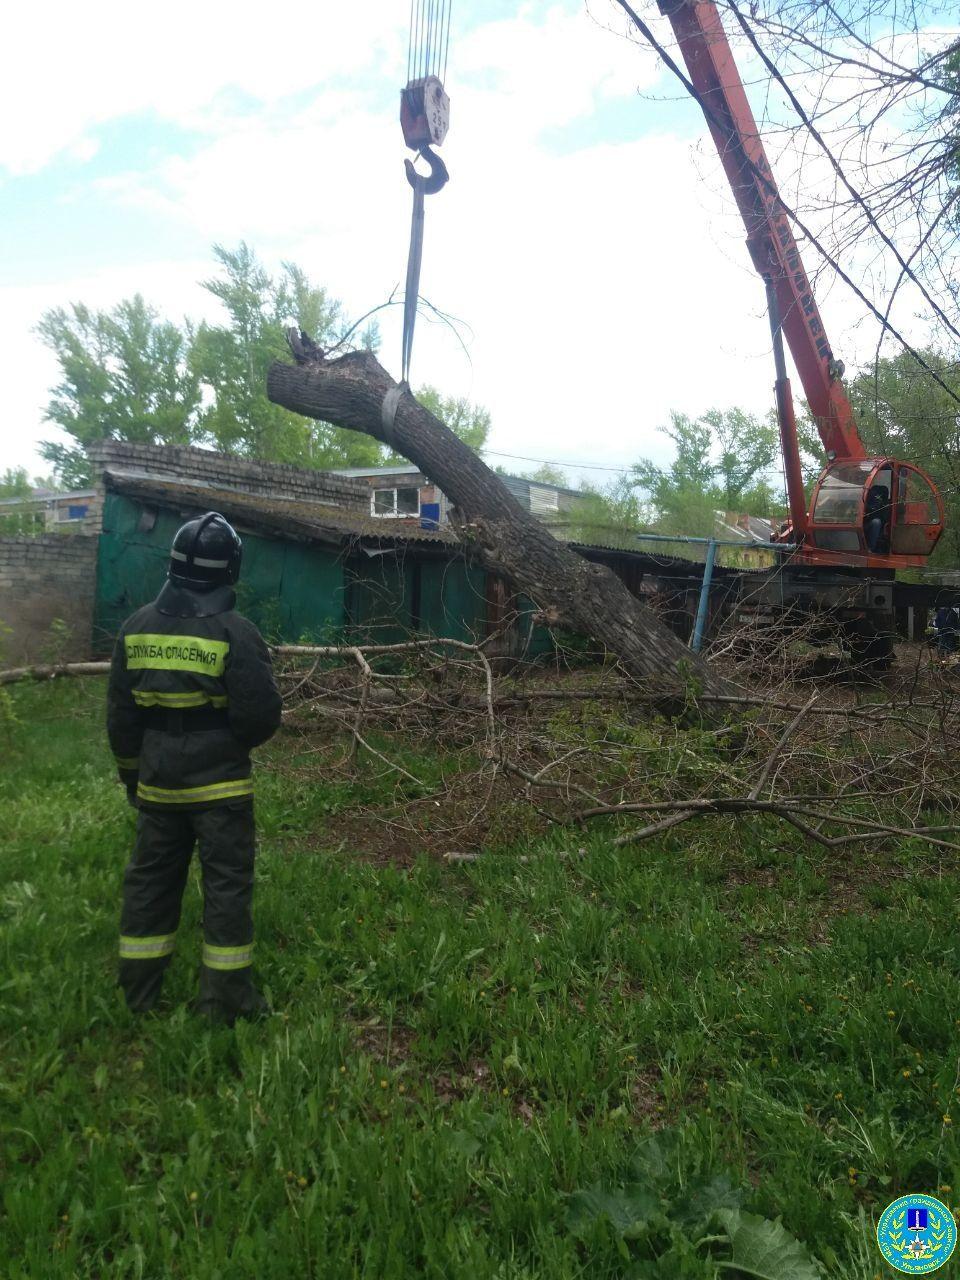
<point>437,178</point>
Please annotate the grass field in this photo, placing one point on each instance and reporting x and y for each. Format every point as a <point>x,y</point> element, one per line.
<point>546,1063</point>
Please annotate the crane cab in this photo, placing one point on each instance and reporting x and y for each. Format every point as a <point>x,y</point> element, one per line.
<point>877,511</point>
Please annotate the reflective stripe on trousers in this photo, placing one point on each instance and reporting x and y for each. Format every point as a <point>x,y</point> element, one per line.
<point>147,948</point>
<point>228,957</point>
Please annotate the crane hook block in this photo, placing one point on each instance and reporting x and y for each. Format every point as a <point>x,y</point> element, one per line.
<point>424,113</point>
<point>437,178</point>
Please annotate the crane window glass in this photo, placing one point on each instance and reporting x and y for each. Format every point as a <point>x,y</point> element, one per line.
<point>915,504</point>
<point>838,501</point>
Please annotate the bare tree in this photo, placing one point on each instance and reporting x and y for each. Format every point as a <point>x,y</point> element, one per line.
<point>860,107</point>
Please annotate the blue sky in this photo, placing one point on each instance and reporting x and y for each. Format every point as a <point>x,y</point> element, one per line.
<point>585,236</point>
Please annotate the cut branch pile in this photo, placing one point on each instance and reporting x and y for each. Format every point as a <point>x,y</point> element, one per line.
<point>453,750</point>
<point>842,766</point>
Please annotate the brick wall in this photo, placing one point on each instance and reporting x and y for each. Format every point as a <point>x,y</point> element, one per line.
<point>43,578</point>
<point>227,472</point>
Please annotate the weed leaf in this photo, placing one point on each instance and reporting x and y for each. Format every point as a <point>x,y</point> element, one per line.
<point>630,1209</point>
<point>655,1159</point>
<point>764,1250</point>
<point>464,1143</point>
<point>706,1198</point>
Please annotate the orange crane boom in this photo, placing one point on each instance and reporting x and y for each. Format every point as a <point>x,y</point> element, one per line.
<point>875,512</point>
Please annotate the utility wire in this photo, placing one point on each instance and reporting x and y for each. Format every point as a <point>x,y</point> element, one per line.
<point>792,214</point>
<point>838,170</point>
<point>556,462</point>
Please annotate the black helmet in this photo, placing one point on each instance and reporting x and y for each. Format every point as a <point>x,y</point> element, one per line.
<point>206,553</point>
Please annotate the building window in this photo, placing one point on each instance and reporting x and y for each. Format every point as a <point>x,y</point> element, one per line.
<point>543,499</point>
<point>395,502</point>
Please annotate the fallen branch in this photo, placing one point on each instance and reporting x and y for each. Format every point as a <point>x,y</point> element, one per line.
<point>781,742</point>
<point>50,671</point>
<point>780,808</point>
<point>834,769</point>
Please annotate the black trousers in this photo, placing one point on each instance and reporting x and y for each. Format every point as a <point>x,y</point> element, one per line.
<point>153,886</point>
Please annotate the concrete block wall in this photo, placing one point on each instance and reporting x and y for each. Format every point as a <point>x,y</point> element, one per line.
<point>51,576</point>
<point>227,472</point>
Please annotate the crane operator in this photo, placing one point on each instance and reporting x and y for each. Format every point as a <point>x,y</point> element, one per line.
<point>191,693</point>
<point>876,513</point>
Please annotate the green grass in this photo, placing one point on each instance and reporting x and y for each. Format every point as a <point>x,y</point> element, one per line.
<point>458,1050</point>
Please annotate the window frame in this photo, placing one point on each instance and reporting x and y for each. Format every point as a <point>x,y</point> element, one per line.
<point>395,514</point>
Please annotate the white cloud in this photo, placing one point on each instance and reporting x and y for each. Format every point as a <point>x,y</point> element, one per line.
<point>84,150</point>
<point>81,65</point>
<point>604,285</point>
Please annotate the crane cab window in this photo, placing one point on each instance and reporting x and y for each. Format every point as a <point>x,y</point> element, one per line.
<point>916,511</point>
<point>840,494</point>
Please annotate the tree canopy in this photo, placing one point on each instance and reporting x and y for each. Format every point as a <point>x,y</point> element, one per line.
<point>905,411</point>
<point>15,483</point>
<point>124,374</point>
<point>722,462</point>
<point>231,360</point>
<point>129,374</point>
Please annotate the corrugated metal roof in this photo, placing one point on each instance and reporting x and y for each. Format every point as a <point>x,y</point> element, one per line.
<point>304,521</point>
<point>48,495</point>
<point>353,473</point>
<point>317,523</point>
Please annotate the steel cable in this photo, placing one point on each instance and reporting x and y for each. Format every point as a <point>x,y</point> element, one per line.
<point>428,48</point>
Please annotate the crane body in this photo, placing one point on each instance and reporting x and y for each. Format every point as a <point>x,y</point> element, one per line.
<point>868,513</point>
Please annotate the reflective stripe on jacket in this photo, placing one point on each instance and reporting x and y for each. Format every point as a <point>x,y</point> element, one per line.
<point>167,669</point>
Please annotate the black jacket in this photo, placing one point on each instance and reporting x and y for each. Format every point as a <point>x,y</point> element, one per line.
<point>191,693</point>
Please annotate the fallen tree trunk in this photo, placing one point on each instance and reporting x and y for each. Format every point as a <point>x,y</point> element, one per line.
<point>52,671</point>
<point>356,392</point>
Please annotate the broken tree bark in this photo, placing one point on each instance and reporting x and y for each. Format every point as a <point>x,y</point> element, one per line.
<point>567,589</point>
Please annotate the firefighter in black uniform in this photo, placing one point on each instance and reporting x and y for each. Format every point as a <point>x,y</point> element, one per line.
<point>191,692</point>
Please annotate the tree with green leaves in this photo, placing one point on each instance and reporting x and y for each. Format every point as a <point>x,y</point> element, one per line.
<point>549,473</point>
<point>230,361</point>
<point>471,422</point>
<point>125,374</point>
<point>903,410</point>
<point>610,515</point>
<point>721,462</point>
<point>20,519</point>
<point>15,483</point>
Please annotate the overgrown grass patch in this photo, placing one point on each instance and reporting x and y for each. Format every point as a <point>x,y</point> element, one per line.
<point>561,1060</point>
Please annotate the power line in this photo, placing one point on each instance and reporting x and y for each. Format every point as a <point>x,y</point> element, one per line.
<point>555,462</point>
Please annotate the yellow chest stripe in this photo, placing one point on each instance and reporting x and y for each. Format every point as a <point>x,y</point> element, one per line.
<point>176,653</point>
